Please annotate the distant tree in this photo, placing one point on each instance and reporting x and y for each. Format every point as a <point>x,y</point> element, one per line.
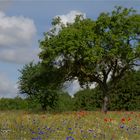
<point>65,102</point>
<point>87,99</point>
<point>41,84</point>
<point>126,94</point>
<point>95,51</point>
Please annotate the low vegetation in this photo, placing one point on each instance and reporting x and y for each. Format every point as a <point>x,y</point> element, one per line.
<point>70,126</point>
<point>125,96</point>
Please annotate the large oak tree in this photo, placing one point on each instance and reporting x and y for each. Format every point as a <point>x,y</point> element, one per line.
<point>98,50</point>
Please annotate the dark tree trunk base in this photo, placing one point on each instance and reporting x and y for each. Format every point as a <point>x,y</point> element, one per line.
<point>105,105</point>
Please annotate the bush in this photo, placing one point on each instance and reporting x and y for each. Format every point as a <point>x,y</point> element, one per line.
<point>126,94</point>
<point>13,104</point>
<point>87,100</point>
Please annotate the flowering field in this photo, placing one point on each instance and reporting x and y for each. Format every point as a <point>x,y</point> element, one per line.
<point>69,126</point>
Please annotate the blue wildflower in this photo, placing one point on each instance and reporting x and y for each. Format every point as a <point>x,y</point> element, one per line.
<point>40,132</point>
<point>122,126</point>
<point>70,128</point>
<point>69,138</point>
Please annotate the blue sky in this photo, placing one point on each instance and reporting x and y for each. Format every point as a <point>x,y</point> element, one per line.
<point>22,24</point>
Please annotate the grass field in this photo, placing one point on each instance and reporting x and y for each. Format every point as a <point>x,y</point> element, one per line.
<point>21,125</point>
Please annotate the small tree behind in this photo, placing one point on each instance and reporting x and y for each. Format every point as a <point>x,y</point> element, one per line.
<point>41,84</point>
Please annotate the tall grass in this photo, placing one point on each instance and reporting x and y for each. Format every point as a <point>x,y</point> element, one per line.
<point>21,125</point>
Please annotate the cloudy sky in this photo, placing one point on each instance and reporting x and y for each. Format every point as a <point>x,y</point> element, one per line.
<point>23,22</point>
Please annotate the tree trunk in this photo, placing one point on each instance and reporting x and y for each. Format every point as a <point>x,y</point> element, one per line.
<point>106,98</point>
<point>105,104</point>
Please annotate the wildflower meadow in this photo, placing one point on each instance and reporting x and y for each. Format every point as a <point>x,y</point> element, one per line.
<point>81,125</point>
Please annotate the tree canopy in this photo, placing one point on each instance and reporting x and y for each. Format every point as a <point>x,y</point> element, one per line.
<point>41,84</point>
<point>98,50</point>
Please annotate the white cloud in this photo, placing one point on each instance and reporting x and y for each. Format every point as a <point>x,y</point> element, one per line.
<point>72,87</point>
<point>17,37</point>
<point>7,88</point>
<point>70,17</point>
<point>16,31</point>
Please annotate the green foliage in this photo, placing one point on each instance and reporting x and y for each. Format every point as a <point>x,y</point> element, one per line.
<point>93,51</point>
<point>41,84</point>
<point>87,100</point>
<point>65,102</point>
<point>89,51</point>
<point>27,79</point>
<point>126,94</point>
<point>13,104</point>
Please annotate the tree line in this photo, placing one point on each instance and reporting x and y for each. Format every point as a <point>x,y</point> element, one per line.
<point>125,96</point>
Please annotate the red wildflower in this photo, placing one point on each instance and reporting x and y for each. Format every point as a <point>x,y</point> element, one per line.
<point>123,120</point>
<point>105,119</point>
<point>129,119</point>
<point>111,120</point>
<point>81,113</point>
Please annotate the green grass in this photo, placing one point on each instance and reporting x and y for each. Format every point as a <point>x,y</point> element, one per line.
<point>21,125</point>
